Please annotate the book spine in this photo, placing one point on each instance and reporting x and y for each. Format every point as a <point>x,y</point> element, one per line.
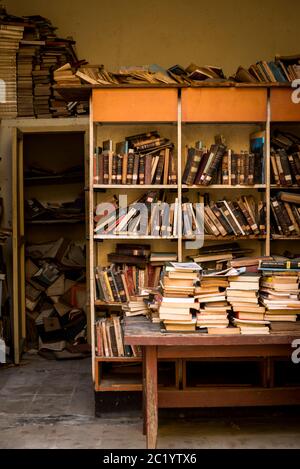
<point>274,169</point>
<point>105,168</point>
<point>286,168</point>
<point>135,169</point>
<point>296,157</point>
<point>130,165</point>
<point>218,153</point>
<point>148,165</point>
<point>141,177</point>
<point>225,178</point>
<point>233,169</point>
<point>124,168</point>
<point>114,169</point>
<point>194,165</point>
<point>119,169</point>
<point>112,284</point>
<point>159,170</point>
<point>166,165</point>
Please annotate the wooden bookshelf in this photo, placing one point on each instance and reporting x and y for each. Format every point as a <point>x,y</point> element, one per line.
<point>188,114</point>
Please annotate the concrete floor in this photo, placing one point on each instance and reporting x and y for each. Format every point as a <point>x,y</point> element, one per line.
<point>50,404</point>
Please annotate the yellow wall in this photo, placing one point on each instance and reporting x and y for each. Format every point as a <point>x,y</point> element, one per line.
<point>130,32</point>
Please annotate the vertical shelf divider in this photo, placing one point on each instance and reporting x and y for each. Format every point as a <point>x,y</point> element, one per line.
<point>268,175</point>
<point>179,183</point>
<point>91,254</point>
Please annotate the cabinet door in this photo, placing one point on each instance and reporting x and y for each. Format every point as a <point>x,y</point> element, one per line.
<point>18,246</point>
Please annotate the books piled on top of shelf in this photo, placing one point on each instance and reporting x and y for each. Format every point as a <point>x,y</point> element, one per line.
<point>285,211</point>
<point>178,288</point>
<point>213,306</point>
<point>248,313</point>
<point>149,74</point>
<point>220,165</point>
<point>10,35</point>
<point>279,290</point>
<point>283,69</point>
<point>109,339</point>
<point>149,215</point>
<point>36,211</point>
<point>240,217</point>
<point>26,56</point>
<point>217,256</point>
<point>55,293</point>
<point>139,159</point>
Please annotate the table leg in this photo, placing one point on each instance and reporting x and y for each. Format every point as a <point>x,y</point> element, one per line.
<point>151,396</point>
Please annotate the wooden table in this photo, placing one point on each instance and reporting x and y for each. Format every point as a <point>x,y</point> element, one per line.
<point>158,345</point>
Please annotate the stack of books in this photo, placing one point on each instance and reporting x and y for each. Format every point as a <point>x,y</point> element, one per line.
<point>241,217</point>
<point>279,293</point>
<point>178,301</point>
<point>218,256</point>
<point>214,308</point>
<point>10,36</point>
<point>283,69</point>
<point>109,339</point>
<point>220,165</point>
<point>146,158</point>
<point>248,314</point>
<point>158,218</point>
<point>285,219</point>
<point>26,56</point>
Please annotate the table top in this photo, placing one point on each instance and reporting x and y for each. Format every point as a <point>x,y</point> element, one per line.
<point>141,331</point>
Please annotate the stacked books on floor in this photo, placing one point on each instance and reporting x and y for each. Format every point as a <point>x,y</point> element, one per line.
<point>109,339</point>
<point>248,313</point>
<point>214,308</point>
<point>158,217</point>
<point>240,217</point>
<point>178,301</point>
<point>220,165</point>
<point>279,293</point>
<point>10,36</point>
<point>55,295</point>
<point>146,158</point>
<point>283,69</point>
<point>285,219</point>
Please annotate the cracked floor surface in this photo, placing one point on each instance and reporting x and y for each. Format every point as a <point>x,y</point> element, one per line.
<point>50,404</point>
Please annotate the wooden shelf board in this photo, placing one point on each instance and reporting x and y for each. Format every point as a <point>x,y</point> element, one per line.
<point>103,303</point>
<point>284,238</point>
<point>294,187</point>
<point>54,222</point>
<point>108,387</point>
<point>34,181</point>
<point>100,237</point>
<point>118,359</point>
<point>134,186</point>
<point>225,186</point>
<point>220,238</point>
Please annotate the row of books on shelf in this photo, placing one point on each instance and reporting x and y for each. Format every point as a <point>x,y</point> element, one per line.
<point>220,165</point>
<point>109,339</point>
<point>232,303</point>
<point>285,159</point>
<point>151,214</point>
<point>285,220</point>
<point>140,159</point>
